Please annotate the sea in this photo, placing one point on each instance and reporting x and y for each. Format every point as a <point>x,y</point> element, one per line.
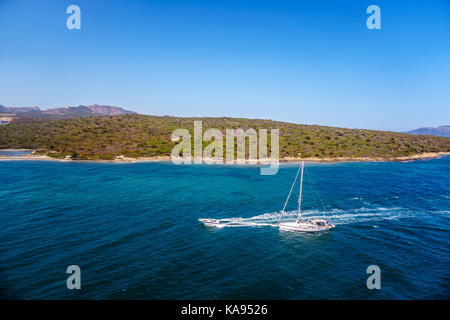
<point>133,231</point>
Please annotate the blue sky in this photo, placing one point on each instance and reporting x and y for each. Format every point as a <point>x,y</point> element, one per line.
<point>312,62</point>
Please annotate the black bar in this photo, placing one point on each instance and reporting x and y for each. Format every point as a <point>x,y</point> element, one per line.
<point>227,309</point>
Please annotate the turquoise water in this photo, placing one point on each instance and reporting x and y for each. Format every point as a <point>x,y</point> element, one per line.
<point>133,229</point>
<point>14,153</point>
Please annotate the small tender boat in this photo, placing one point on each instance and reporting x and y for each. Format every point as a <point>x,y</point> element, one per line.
<point>313,225</point>
<point>211,222</point>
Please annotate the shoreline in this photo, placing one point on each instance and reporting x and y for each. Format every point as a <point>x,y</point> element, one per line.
<point>121,159</point>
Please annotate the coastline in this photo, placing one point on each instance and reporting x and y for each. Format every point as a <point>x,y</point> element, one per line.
<point>121,159</point>
<point>420,156</point>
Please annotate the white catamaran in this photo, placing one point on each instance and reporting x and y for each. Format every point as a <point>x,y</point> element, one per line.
<point>299,225</point>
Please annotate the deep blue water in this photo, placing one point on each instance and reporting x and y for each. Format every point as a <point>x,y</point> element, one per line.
<point>133,230</point>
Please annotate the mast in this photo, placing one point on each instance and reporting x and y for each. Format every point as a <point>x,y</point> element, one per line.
<point>299,214</point>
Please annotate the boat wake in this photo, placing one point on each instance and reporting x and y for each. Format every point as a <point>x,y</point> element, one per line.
<point>338,216</point>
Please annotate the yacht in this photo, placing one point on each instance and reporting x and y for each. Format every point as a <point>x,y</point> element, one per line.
<point>303,225</point>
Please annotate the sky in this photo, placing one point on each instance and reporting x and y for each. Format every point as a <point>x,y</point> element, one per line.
<point>311,62</point>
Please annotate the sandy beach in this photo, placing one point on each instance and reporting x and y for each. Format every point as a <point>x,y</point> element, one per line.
<point>122,159</point>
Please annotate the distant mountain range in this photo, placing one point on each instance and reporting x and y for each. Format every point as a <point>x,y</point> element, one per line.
<point>65,112</point>
<point>442,131</point>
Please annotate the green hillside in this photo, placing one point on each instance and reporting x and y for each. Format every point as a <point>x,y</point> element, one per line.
<point>139,135</point>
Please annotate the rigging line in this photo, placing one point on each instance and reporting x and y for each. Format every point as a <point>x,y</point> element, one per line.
<point>315,190</point>
<point>282,211</point>
<point>316,205</point>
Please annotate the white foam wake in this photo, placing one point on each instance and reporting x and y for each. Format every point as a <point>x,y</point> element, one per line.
<point>337,216</point>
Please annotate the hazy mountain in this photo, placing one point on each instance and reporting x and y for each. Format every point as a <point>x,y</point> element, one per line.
<point>4,109</point>
<point>65,112</point>
<point>108,110</point>
<point>442,131</point>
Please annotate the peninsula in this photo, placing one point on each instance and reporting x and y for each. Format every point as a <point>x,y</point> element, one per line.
<point>134,137</point>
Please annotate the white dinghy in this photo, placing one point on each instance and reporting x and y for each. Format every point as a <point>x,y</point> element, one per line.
<point>211,222</point>
<point>313,225</point>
